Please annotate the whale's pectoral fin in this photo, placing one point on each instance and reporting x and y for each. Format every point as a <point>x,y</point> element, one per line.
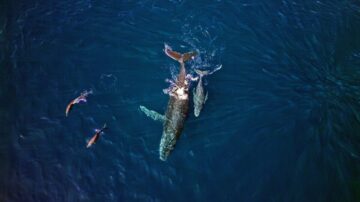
<point>152,114</point>
<point>206,96</point>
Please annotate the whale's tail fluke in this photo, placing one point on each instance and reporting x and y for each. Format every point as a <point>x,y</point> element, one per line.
<point>202,73</point>
<point>189,56</point>
<point>178,56</point>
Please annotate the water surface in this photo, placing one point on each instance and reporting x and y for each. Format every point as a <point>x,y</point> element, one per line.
<point>281,122</point>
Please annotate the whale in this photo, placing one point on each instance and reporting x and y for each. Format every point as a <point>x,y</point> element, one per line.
<point>199,96</point>
<point>177,107</point>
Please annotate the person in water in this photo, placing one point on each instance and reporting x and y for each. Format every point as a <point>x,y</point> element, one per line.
<point>96,136</point>
<point>81,98</point>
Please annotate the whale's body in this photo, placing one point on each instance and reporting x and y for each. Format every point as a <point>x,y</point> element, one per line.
<point>175,115</point>
<point>199,95</point>
<point>177,108</point>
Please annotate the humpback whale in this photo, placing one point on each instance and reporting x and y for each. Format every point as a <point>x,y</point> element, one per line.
<point>178,105</point>
<point>199,96</point>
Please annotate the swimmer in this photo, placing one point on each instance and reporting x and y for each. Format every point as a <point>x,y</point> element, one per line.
<point>81,98</point>
<point>96,136</point>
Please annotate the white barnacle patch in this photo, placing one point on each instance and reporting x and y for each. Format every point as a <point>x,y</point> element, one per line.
<point>180,91</point>
<point>181,94</point>
<point>176,91</point>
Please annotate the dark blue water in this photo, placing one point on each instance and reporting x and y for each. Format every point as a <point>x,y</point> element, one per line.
<point>282,121</point>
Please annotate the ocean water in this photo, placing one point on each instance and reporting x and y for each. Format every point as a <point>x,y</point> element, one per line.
<point>282,122</point>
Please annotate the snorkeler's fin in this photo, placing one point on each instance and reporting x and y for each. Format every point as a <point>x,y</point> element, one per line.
<point>178,56</point>
<point>152,114</point>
